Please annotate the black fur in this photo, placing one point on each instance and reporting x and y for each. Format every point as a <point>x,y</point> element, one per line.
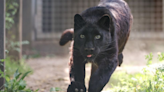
<point>100,34</point>
<point>66,36</point>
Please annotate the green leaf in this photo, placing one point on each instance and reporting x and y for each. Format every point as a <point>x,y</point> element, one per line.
<point>53,89</point>
<point>5,85</point>
<point>22,85</point>
<point>12,83</point>
<point>24,75</point>
<point>2,74</point>
<point>149,58</point>
<point>7,51</point>
<point>17,49</point>
<point>161,56</point>
<point>7,79</point>
<point>36,90</point>
<point>2,60</point>
<point>17,74</point>
<point>25,42</point>
<point>2,64</point>
<point>149,62</point>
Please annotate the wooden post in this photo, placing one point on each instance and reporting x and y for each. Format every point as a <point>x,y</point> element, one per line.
<point>28,14</point>
<point>163,14</point>
<point>2,38</point>
<point>20,29</point>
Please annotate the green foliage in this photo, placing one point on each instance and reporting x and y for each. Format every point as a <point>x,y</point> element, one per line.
<point>12,17</point>
<point>16,83</point>
<point>161,56</point>
<point>11,10</point>
<point>11,66</point>
<point>151,79</point>
<point>149,58</point>
<point>14,45</point>
<point>55,89</point>
<point>14,80</point>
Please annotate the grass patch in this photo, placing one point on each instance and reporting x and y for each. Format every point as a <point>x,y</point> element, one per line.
<point>119,75</point>
<point>150,79</point>
<point>11,66</point>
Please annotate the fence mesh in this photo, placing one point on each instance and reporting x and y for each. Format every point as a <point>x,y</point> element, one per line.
<point>147,14</point>
<point>58,14</point>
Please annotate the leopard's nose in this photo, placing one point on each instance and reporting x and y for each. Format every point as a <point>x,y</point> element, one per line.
<point>89,50</point>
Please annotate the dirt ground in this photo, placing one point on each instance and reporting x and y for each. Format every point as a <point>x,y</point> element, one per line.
<point>51,72</point>
<point>48,73</point>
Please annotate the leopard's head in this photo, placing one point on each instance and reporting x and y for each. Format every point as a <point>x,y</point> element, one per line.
<point>92,39</point>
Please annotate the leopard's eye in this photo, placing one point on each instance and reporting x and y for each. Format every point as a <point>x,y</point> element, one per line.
<point>82,36</point>
<point>97,37</point>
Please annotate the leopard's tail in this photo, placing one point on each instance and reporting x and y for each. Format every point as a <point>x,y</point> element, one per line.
<point>67,36</point>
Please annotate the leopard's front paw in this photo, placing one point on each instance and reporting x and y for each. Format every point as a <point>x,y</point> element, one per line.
<point>76,87</point>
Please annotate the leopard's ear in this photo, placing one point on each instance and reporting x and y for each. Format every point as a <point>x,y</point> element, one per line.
<point>105,22</point>
<point>78,22</point>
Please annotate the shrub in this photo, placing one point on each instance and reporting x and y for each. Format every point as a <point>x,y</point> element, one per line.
<point>11,66</point>
<point>16,83</point>
<point>151,79</point>
<point>14,80</point>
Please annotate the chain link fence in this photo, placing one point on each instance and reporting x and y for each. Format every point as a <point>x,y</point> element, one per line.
<point>57,15</point>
